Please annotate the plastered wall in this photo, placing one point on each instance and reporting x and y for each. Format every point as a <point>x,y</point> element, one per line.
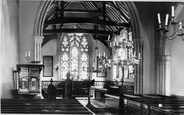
<point>177,58</point>
<point>9,45</point>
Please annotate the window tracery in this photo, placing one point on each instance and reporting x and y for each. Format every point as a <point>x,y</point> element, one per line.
<point>74,56</point>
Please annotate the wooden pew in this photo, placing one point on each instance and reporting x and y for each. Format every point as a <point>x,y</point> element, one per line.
<point>59,106</point>
<point>147,105</point>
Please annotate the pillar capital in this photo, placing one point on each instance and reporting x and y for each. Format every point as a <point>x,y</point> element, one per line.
<point>38,39</point>
<point>138,40</point>
<point>37,47</point>
<point>164,58</point>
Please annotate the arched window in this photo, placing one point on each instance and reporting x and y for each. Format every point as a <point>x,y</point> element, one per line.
<point>74,56</point>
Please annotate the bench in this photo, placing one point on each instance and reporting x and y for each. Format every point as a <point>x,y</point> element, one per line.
<point>41,106</point>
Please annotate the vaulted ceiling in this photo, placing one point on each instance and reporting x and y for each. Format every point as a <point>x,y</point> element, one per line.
<point>100,18</point>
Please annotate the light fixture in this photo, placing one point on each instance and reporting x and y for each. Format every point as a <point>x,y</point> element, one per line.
<point>178,29</point>
<point>94,69</point>
<point>104,61</point>
<point>125,43</point>
<point>56,67</point>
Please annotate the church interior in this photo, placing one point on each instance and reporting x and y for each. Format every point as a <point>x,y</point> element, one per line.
<point>92,57</point>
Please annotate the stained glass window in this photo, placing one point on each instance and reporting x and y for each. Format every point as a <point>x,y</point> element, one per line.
<point>74,56</point>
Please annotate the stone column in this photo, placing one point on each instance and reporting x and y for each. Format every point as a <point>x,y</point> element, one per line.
<point>163,72</point>
<point>37,47</point>
<point>37,52</point>
<point>138,72</point>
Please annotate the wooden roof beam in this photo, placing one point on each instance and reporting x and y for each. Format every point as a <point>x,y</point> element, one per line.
<point>89,31</point>
<point>85,20</point>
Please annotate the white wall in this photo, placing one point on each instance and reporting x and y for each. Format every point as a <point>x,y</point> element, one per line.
<point>27,15</point>
<point>9,45</point>
<point>177,59</point>
<point>50,49</point>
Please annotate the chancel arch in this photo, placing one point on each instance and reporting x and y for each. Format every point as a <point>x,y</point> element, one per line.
<point>137,35</point>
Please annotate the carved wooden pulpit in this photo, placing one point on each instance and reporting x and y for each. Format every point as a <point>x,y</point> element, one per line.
<point>29,79</point>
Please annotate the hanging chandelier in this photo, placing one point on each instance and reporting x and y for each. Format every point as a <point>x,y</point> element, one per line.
<point>124,54</point>
<point>178,29</point>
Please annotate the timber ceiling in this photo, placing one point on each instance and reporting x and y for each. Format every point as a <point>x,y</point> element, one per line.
<point>100,18</point>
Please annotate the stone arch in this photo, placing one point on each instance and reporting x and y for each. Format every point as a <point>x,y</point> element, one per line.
<point>130,6</point>
<point>135,19</point>
<point>137,33</point>
<point>40,17</point>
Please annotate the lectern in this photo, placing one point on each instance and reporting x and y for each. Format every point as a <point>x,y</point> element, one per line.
<point>29,79</point>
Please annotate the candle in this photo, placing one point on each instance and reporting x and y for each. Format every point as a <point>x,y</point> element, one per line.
<point>117,43</point>
<point>134,54</point>
<point>139,56</point>
<point>130,36</point>
<point>159,105</point>
<point>26,54</point>
<point>166,19</point>
<point>29,54</point>
<point>111,44</point>
<point>180,26</point>
<point>108,37</point>
<point>159,21</point>
<point>104,54</point>
<point>172,11</point>
<point>99,55</point>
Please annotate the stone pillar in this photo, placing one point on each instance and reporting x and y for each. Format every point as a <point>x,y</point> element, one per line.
<point>138,72</point>
<point>37,47</point>
<point>163,72</point>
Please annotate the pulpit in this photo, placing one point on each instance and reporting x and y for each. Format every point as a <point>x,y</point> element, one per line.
<point>28,85</point>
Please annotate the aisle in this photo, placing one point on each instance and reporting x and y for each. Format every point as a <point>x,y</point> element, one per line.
<point>97,106</point>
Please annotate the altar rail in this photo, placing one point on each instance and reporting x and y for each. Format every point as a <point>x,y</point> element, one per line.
<point>128,86</point>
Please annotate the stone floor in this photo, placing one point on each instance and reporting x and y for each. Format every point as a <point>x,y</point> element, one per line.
<point>97,107</point>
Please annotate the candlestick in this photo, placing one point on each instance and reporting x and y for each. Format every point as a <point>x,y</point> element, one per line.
<point>166,19</point>
<point>139,56</point>
<point>159,21</point>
